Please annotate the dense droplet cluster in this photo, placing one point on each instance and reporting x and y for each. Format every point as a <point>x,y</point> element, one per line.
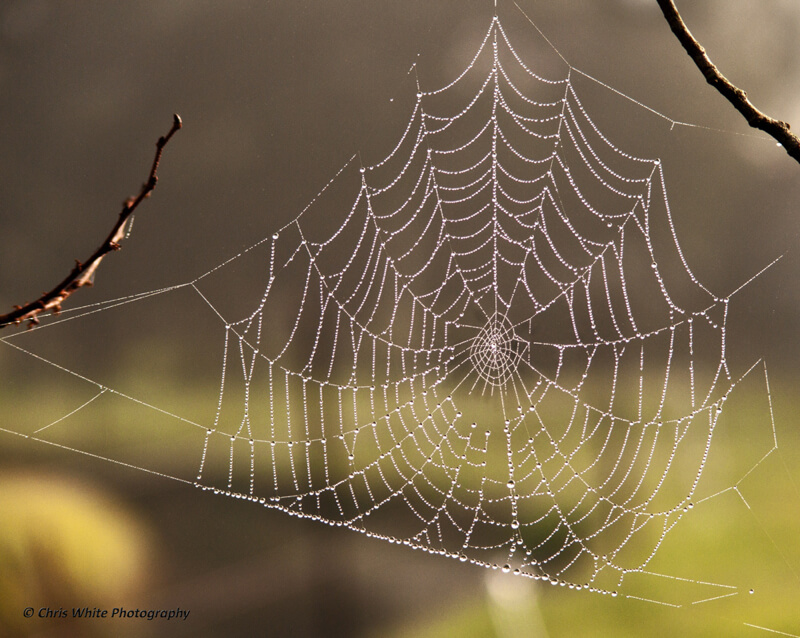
<point>496,351</point>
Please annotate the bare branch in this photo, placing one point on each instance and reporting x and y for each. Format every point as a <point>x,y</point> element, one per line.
<point>83,272</point>
<point>736,96</point>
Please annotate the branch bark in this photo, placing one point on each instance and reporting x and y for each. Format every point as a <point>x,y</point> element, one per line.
<point>83,272</point>
<point>736,96</point>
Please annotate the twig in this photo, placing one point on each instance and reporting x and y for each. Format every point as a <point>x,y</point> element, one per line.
<point>736,96</point>
<point>83,272</point>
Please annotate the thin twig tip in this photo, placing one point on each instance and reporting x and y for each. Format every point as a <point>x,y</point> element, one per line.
<point>78,275</point>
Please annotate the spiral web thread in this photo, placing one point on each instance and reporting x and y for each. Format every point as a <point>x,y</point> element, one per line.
<point>495,351</point>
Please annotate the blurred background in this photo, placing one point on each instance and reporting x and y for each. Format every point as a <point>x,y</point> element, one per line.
<point>276,97</point>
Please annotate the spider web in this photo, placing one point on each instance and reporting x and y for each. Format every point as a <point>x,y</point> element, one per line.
<point>500,354</point>
<point>497,352</point>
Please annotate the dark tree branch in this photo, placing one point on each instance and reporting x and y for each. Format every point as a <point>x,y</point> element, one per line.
<point>83,273</point>
<point>755,118</point>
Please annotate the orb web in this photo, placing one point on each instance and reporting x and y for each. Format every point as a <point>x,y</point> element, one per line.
<point>488,345</point>
<point>498,352</point>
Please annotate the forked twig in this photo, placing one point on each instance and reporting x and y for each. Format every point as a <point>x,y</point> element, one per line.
<point>83,272</point>
<point>736,96</point>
